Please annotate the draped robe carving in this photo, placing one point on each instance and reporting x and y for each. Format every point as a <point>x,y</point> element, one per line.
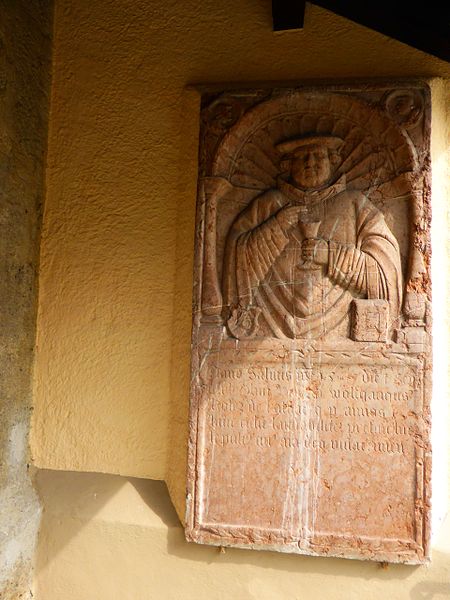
<point>269,292</point>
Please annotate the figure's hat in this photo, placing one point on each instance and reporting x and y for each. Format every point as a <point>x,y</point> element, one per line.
<point>290,146</point>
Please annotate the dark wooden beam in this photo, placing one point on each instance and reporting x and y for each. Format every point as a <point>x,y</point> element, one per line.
<point>288,14</point>
<point>425,26</point>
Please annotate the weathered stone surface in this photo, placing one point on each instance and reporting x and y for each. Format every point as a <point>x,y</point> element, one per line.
<point>25,27</point>
<point>309,427</point>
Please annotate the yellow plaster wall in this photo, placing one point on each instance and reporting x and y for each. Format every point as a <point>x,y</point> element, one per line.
<point>106,537</point>
<point>112,364</point>
<point>117,243</point>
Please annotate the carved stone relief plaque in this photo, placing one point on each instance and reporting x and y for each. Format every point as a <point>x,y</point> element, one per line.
<point>309,418</point>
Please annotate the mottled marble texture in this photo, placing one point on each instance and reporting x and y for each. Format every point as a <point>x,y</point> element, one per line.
<point>311,353</point>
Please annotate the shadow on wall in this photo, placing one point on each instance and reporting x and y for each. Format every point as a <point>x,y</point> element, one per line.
<point>359,570</point>
<point>73,501</point>
<point>430,590</point>
<point>157,498</point>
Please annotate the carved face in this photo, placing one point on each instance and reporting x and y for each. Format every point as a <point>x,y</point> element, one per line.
<point>311,166</point>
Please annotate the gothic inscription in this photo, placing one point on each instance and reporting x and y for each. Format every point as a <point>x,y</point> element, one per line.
<point>309,427</point>
<point>272,407</point>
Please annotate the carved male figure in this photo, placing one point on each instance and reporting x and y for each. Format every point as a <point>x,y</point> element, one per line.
<point>298,254</point>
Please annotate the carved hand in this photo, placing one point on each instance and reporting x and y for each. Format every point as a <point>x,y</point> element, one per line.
<point>288,216</point>
<point>315,250</point>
